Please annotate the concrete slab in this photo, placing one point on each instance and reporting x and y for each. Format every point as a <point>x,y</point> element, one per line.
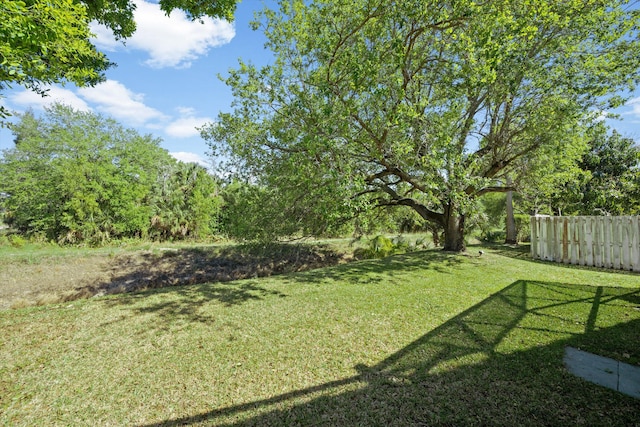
<point>603,371</point>
<point>629,380</point>
<point>593,368</point>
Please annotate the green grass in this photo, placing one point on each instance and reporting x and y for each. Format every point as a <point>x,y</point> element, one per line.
<point>427,338</point>
<point>36,253</point>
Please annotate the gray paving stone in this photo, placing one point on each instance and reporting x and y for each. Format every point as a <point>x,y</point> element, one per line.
<point>603,371</point>
<point>596,369</point>
<point>629,380</point>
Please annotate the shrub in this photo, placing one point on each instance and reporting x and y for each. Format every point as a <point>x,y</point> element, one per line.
<point>523,225</point>
<point>494,236</point>
<point>17,241</point>
<point>382,246</point>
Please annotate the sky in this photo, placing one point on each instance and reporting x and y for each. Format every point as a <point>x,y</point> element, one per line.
<point>166,81</point>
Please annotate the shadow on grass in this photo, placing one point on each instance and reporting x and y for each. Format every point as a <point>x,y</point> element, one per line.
<point>497,363</point>
<point>382,270</point>
<point>186,301</point>
<point>193,266</point>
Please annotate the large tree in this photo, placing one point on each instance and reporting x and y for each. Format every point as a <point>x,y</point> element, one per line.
<point>613,163</point>
<point>47,41</point>
<point>423,104</point>
<point>608,178</point>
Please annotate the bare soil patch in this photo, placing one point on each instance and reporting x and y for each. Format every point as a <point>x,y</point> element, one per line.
<point>59,279</point>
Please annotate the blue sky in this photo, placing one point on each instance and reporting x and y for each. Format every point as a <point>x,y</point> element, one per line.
<point>166,80</point>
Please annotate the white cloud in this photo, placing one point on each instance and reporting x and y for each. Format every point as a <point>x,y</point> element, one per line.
<point>170,41</point>
<point>115,100</point>
<point>186,111</point>
<point>635,106</point>
<point>186,126</point>
<point>27,98</point>
<point>104,37</point>
<point>187,157</point>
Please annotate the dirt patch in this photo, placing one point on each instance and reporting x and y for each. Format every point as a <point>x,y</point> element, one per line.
<point>65,279</point>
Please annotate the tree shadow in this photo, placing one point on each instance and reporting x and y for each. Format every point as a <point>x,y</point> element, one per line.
<point>193,266</point>
<point>381,270</point>
<point>186,302</point>
<point>523,252</point>
<point>497,363</point>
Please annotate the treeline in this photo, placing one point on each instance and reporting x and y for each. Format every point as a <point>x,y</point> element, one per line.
<point>80,177</point>
<point>77,177</point>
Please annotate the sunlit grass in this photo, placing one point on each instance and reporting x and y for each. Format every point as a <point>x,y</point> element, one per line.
<point>421,339</point>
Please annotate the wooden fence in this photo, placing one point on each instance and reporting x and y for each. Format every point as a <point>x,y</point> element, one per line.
<point>600,241</point>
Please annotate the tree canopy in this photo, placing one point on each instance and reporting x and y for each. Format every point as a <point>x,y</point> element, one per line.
<point>80,177</point>
<point>422,104</point>
<point>47,41</point>
<point>606,180</point>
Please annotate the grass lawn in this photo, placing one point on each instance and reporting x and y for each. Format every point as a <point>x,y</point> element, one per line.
<point>412,340</point>
<point>47,274</point>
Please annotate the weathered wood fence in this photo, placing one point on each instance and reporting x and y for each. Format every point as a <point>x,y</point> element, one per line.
<point>600,241</point>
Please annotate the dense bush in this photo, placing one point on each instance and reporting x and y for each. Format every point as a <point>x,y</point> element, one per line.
<point>78,177</point>
<point>381,246</point>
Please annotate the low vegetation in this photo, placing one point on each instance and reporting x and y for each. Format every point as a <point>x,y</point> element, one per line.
<point>424,338</point>
<point>38,274</point>
<point>45,274</point>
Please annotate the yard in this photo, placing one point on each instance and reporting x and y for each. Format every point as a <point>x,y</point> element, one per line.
<point>427,338</point>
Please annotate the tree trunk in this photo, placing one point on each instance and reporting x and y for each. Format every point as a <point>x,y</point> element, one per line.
<point>453,230</point>
<point>451,221</point>
<point>512,233</point>
<point>435,236</point>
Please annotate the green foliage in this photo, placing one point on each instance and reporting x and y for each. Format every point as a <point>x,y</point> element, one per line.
<point>492,214</point>
<point>613,164</point>
<point>603,178</point>
<point>246,211</point>
<point>261,212</point>
<point>43,42</point>
<point>47,41</point>
<point>425,105</point>
<point>523,227</point>
<point>197,9</point>
<point>381,246</point>
<point>76,176</point>
<point>16,240</point>
<point>491,220</point>
<point>494,235</point>
<point>185,203</point>
<point>79,177</point>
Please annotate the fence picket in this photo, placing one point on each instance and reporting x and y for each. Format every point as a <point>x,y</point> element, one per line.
<point>573,239</point>
<point>535,254</point>
<point>617,244</point>
<point>626,243</point>
<point>565,241</point>
<point>635,226</point>
<point>588,241</point>
<point>610,242</point>
<point>597,242</point>
<point>607,225</point>
<point>580,242</point>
